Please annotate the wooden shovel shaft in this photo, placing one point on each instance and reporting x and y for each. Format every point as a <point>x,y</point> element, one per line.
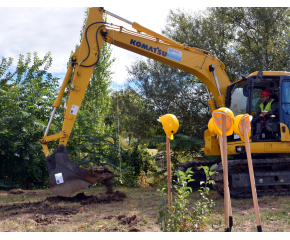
<point>225,170</point>
<point>251,172</point>
<point>168,171</point>
<point>221,144</point>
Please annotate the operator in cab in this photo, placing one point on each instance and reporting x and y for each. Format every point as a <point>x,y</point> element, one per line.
<point>268,110</point>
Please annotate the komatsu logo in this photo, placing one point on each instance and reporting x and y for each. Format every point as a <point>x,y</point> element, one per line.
<point>148,48</point>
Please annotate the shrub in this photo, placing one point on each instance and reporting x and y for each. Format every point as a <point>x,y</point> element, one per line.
<point>179,218</point>
<point>137,159</point>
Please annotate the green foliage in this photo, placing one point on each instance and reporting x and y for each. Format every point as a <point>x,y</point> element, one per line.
<point>135,117</point>
<point>179,218</point>
<point>24,110</point>
<point>96,150</point>
<point>5,64</point>
<point>244,39</point>
<point>183,148</point>
<point>170,90</point>
<point>137,159</point>
<point>262,38</point>
<point>207,30</point>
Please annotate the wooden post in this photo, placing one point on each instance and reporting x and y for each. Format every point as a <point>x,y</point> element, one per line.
<point>168,172</point>
<point>252,178</point>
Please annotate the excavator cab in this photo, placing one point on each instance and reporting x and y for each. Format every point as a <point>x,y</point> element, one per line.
<point>271,168</point>
<point>244,96</point>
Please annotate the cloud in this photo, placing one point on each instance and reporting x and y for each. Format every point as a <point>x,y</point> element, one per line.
<point>44,29</point>
<point>41,30</point>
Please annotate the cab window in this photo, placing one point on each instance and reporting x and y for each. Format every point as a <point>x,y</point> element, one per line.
<point>238,100</point>
<point>286,97</point>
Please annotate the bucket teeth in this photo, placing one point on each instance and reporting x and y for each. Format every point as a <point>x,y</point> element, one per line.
<point>65,177</point>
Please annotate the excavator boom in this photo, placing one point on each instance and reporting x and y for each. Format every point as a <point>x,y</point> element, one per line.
<point>64,176</point>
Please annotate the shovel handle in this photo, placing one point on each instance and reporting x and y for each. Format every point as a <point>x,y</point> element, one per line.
<point>252,178</point>
<point>168,172</point>
<point>227,201</point>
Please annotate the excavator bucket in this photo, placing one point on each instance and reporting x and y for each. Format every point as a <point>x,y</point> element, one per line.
<point>65,177</point>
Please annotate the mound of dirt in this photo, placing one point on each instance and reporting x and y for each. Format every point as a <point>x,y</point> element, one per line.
<point>105,198</point>
<point>41,219</point>
<point>130,221</point>
<point>121,216</point>
<point>16,191</point>
<point>20,191</point>
<point>134,230</point>
<point>38,208</point>
<point>77,198</point>
<point>125,220</point>
<point>86,200</point>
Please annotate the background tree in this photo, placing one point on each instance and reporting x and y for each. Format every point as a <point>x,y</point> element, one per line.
<point>25,97</point>
<point>262,38</point>
<point>5,64</point>
<point>244,39</point>
<point>209,29</point>
<point>170,90</point>
<point>136,116</point>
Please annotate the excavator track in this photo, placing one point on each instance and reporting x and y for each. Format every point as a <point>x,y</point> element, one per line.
<point>272,177</point>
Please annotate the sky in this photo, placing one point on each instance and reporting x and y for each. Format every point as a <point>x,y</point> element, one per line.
<point>30,26</point>
<point>57,29</point>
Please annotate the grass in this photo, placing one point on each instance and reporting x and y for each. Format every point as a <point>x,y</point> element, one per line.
<point>142,202</point>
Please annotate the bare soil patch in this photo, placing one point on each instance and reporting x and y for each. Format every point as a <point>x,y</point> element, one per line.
<point>123,219</point>
<point>55,210</point>
<point>125,210</point>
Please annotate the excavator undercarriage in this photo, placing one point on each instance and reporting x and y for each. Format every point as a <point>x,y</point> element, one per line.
<point>272,176</point>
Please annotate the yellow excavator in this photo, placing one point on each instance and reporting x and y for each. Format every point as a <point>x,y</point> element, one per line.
<point>272,173</point>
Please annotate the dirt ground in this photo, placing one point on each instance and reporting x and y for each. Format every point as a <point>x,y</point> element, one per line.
<point>124,210</point>
<point>88,211</point>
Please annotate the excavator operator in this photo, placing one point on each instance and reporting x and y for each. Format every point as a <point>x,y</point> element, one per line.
<point>268,111</point>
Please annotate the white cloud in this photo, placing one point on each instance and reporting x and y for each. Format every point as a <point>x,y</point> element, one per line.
<point>40,30</point>
<point>43,29</point>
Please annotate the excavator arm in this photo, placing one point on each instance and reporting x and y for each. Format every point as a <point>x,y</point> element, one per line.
<point>65,177</point>
<point>198,62</point>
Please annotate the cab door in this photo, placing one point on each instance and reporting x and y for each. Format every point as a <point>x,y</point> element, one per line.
<point>284,107</point>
